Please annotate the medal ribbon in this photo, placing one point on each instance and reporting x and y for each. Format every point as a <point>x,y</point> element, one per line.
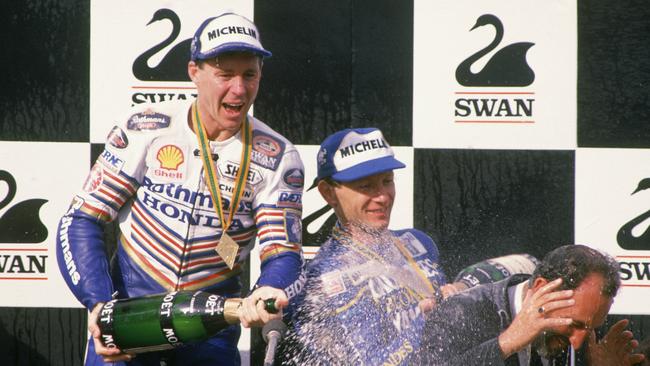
<point>210,173</point>
<point>366,251</point>
<point>411,260</point>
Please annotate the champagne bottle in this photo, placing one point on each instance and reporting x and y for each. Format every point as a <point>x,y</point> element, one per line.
<point>164,321</point>
<point>496,269</point>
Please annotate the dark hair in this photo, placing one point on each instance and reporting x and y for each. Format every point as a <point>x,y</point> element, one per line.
<point>573,263</point>
<point>331,181</point>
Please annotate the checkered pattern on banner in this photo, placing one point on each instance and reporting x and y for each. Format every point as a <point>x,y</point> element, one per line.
<point>523,123</point>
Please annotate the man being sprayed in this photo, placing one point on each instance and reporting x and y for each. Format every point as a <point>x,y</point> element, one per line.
<point>534,320</point>
<point>193,184</point>
<point>367,287</point>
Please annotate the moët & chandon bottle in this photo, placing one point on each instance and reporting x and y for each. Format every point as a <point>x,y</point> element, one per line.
<point>164,321</point>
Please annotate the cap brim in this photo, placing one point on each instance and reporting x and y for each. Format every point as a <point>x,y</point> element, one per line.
<point>368,168</point>
<point>233,47</point>
<point>314,183</point>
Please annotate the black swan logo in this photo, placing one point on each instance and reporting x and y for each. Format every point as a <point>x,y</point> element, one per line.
<point>173,67</point>
<point>323,232</point>
<point>20,224</point>
<point>625,238</point>
<point>508,66</point>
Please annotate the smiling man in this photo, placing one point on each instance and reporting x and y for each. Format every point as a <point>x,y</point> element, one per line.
<point>367,287</point>
<point>525,320</point>
<point>193,184</point>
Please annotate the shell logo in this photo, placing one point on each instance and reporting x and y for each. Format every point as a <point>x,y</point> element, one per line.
<point>170,157</point>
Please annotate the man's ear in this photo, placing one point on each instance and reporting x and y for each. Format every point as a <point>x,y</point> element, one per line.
<point>192,68</point>
<point>327,191</point>
<point>538,283</point>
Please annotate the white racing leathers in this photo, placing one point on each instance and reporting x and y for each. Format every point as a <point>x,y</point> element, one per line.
<point>150,177</point>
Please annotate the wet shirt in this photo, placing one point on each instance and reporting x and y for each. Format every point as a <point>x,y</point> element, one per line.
<point>360,301</point>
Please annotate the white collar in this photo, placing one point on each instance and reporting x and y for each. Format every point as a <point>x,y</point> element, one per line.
<point>516,297</point>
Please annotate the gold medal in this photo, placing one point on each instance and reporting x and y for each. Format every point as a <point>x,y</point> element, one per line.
<point>227,249</point>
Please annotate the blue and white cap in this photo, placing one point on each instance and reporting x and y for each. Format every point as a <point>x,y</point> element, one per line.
<point>228,32</point>
<point>355,153</point>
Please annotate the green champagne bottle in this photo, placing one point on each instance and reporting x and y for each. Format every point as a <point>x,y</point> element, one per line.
<point>164,321</point>
<point>496,269</point>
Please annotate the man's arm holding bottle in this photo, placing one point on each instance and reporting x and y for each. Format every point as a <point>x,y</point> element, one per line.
<point>489,271</point>
<point>278,211</point>
<point>81,251</point>
<point>82,261</point>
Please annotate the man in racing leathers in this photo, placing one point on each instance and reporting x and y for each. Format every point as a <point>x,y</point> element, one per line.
<point>152,176</point>
<point>367,287</point>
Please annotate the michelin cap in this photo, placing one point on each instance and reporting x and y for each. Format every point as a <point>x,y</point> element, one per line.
<point>228,32</point>
<point>355,153</point>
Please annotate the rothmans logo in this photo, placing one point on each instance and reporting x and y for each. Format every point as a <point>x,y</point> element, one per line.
<point>148,120</point>
<point>359,147</point>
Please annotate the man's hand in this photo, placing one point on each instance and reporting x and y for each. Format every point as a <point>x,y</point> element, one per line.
<point>253,313</point>
<point>447,290</point>
<point>615,349</point>
<point>452,289</point>
<point>427,304</point>
<point>532,319</point>
<point>108,354</point>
